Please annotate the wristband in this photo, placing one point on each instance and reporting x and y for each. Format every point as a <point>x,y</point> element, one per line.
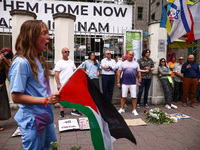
<point>45,102</point>
<point>140,82</point>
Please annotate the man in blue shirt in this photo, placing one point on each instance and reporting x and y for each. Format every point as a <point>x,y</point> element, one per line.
<point>190,69</point>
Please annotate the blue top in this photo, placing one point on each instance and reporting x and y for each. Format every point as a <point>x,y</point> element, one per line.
<point>22,81</point>
<point>192,72</point>
<point>91,69</point>
<point>129,69</point>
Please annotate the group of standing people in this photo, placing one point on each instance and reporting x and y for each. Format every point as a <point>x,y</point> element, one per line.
<point>179,80</point>
<point>28,74</point>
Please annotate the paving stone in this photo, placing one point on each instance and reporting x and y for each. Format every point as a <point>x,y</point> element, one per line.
<point>184,135</point>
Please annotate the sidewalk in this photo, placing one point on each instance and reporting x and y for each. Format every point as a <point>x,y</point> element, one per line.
<point>184,135</point>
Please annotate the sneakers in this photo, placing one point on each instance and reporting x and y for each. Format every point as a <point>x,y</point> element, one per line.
<point>62,114</point>
<point>134,112</point>
<point>138,106</point>
<point>146,106</point>
<point>184,105</point>
<point>174,106</point>
<point>76,113</point>
<point>121,110</point>
<point>192,105</point>
<point>167,106</point>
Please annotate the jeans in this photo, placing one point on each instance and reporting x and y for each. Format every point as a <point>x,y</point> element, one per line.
<point>96,83</point>
<point>167,88</point>
<point>33,139</point>
<point>108,82</point>
<point>178,91</point>
<point>197,95</point>
<point>145,84</point>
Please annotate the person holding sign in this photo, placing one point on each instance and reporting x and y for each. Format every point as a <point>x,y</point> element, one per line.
<point>29,87</point>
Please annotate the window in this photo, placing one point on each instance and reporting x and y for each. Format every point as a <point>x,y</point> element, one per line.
<point>153,17</point>
<point>140,10</point>
<point>158,4</point>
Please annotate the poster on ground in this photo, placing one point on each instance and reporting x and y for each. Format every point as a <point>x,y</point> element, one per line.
<point>68,124</point>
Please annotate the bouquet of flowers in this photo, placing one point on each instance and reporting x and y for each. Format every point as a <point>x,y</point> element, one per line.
<point>159,116</point>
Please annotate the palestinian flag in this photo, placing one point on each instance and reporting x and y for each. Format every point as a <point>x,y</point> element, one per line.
<point>106,124</point>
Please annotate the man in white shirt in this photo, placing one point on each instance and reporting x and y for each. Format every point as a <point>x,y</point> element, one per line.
<point>108,66</point>
<point>63,70</point>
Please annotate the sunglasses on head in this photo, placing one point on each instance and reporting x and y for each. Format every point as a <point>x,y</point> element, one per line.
<point>67,51</point>
<point>6,49</point>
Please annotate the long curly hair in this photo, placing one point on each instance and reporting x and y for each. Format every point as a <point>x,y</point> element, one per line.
<point>3,64</point>
<point>25,45</point>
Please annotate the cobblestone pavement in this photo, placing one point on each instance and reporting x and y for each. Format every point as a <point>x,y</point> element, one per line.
<point>184,135</point>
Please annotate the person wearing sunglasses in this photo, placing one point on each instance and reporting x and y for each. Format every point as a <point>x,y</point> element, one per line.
<point>178,82</point>
<point>64,68</point>
<point>166,81</point>
<point>5,63</point>
<point>108,67</point>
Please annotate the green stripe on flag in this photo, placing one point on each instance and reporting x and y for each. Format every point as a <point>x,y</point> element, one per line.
<point>96,135</point>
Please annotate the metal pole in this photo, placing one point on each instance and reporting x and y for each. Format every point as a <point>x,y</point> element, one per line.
<point>149,11</point>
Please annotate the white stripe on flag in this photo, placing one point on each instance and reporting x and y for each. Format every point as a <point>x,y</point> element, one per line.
<point>182,21</point>
<point>107,138</point>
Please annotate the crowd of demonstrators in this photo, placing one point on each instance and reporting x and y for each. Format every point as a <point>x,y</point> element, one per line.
<point>6,56</point>
<point>146,67</point>
<point>28,74</point>
<point>190,69</point>
<point>130,70</point>
<point>108,67</point>
<point>178,80</point>
<point>29,87</point>
<point>92,68</point>
<point>166,81</point>
<point>64,68</point>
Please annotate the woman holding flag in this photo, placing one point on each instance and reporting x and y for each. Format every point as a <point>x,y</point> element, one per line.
<point>29,86</point>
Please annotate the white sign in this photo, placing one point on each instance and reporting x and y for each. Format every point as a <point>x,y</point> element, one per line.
<point>90,17</point>
<point>112,52</point>
<point>97,40</point>
<point>97,53</point>
<point>68,124</point>
<point>106,45</point>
